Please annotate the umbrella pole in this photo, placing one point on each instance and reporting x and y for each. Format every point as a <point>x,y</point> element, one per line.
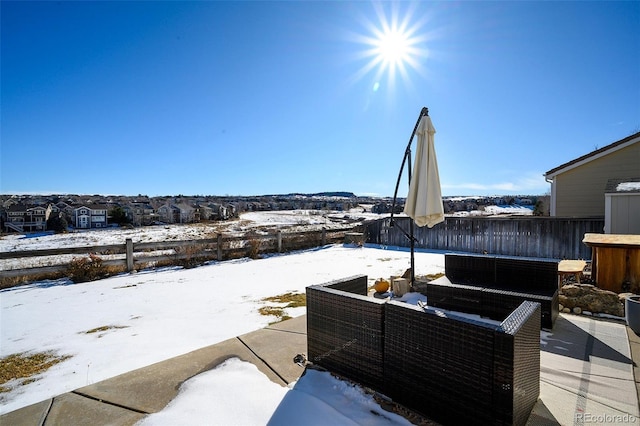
<point>407,155</point>
<point>411,237</point>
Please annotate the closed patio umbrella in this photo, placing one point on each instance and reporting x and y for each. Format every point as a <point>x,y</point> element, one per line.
<point>424,200</point>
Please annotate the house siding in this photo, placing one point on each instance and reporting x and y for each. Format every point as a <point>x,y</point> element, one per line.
<point>90,217</point>
<point>625,219</point>
<point>21,218</point>
<point>580,191</point>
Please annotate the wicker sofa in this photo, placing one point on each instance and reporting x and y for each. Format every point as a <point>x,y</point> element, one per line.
<point>450,368</point>
<point>493,286</point>
<point>345,330</point>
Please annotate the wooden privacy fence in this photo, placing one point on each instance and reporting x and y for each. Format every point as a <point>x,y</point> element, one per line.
<point>133,255</point>
<point>544,237</point>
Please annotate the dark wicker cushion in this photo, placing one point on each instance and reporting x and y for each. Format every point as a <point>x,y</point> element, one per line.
<point>526,275</point>
<point>514,280</point>
<point>477,270</point>
<point>455,297</point>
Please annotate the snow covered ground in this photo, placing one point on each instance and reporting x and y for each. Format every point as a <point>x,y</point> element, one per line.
<point>497,211</point>
<point>118,324</point>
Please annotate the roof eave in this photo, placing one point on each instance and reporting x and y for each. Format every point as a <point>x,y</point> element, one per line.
<point>594,155</point>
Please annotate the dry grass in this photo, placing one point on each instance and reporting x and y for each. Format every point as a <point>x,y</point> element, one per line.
<point>23,367</point>
<point>293,300</point>
<point>274,311</point>
<point>431,277</point>
<point>104,328</point>
<point>192,256</point>
<point>289,300</point>
<point>8,282</point>
<point>253,250</point>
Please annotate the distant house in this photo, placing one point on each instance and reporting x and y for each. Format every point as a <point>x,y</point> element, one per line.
<point>206,212</point>
<point>90,216</point>
<point>64,210</point>
<point>219,211</point>
<point>22,218</point>
<point>140,213</point>
<point>578,186</point>
<point>169,213</point>
<point>178,213</point>
<point>189,213</point>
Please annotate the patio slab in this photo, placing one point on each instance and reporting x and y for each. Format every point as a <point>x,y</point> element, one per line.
<point>31,415</point>
<point>634,343</point>
<point>278,344</point>
<point>151,388</point>
<point>589,371</point>
<point>586,373</point>
<point>124,399</point>
<point>277,353</point>
<point>73,409</point>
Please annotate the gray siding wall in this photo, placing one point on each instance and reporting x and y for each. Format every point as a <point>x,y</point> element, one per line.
<point>625,214</point>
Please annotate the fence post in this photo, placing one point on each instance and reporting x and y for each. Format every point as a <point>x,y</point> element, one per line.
<point>324,236</point>
<point>129,250</point>
<point>279,238</point>
<point>219,247</point>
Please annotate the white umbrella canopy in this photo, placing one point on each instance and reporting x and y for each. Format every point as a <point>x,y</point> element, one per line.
<point>424,201</point>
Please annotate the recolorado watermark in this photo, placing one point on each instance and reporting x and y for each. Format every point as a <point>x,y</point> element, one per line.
<point>604,419</point>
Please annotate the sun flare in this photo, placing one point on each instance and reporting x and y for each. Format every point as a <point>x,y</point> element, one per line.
<point>392,46</point>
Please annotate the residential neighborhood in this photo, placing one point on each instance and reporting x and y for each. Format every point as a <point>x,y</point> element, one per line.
<point>30,213</point>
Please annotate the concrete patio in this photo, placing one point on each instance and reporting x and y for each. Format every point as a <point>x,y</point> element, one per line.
<point>589,374</point>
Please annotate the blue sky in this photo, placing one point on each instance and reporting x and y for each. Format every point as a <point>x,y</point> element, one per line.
<point>249,98</point>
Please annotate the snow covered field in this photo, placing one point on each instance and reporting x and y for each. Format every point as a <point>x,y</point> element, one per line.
<point>150,316</point>
<point>268,221</point>
<point>293,220</point>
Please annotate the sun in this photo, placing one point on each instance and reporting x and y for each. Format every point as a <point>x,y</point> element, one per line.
<point>394,47</point>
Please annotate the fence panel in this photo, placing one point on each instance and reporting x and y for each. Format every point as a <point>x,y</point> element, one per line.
<point>545,237</point>
<point>221,248</point>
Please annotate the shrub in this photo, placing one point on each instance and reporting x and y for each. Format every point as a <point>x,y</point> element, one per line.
<point>84,269</point>
<point>254,248</point>
<point>119,216</point>
<point>190,256</point>
<point>57,223</point>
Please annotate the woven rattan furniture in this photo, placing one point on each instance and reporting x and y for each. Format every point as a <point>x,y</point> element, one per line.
<point>345,330</point>
<point>494,286</point>
<point>457,370</point>
<point>448,367</point>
